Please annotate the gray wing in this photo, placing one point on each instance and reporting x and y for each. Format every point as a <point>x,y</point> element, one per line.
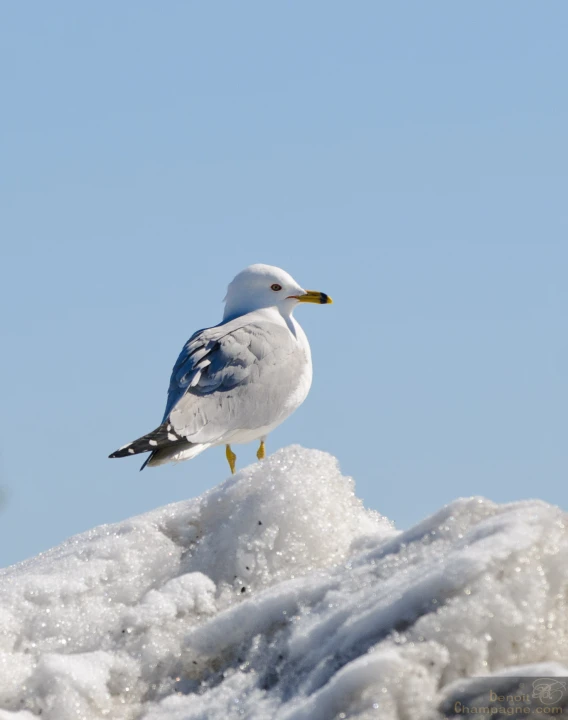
<point>233,377</point>
<point>189,366</point>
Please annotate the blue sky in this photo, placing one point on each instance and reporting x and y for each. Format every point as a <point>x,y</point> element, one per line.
<point>408,158</point>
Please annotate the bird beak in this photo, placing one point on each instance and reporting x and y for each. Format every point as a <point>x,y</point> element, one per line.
<point>313,296</point>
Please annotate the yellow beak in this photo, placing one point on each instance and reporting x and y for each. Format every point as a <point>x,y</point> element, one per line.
<point>314,296</point>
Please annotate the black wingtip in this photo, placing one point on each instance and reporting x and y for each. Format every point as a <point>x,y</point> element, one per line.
<point>126,451</point>
<point>150,456</point>
<point>162,438</point>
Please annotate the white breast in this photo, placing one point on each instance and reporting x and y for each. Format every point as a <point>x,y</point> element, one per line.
<point>305,382</point>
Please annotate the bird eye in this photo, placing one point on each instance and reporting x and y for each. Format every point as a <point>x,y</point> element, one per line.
<point>276,287</point>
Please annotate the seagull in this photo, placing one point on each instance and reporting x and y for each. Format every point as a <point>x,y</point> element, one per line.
<point>235,382</point>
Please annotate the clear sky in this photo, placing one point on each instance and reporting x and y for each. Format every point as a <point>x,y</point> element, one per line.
<point>408,158</point>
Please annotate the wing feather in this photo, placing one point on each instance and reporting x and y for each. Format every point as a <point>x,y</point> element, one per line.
<point>210,390</point>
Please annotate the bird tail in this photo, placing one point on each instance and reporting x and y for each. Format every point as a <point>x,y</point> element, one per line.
<point>163,444</point>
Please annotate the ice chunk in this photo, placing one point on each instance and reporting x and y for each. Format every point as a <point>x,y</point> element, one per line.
<point>278,595</point>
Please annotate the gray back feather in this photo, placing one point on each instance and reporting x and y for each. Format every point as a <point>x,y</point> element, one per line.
<point>234,376</point>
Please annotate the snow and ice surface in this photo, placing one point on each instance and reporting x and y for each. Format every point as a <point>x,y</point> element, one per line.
<point>278,595</point>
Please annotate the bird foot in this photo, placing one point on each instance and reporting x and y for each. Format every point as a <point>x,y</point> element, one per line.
<point>231,458</point>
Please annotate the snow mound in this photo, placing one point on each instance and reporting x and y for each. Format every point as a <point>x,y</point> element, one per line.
<point>278,595</point>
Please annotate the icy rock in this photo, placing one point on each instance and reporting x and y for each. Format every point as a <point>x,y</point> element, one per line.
<point>278,595</point>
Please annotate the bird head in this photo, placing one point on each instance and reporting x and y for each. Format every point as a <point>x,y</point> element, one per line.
<point>263,286</point>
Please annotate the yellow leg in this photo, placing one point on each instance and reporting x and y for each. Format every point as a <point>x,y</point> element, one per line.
<point>231,458</point>
<point>260,451</point>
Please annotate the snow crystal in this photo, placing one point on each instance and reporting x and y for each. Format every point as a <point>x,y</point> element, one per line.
<point>278,595</point>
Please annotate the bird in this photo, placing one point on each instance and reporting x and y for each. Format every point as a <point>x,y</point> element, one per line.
<point>235,382</point>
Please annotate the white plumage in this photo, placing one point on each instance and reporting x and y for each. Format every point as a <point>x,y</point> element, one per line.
<point>237,381</point>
